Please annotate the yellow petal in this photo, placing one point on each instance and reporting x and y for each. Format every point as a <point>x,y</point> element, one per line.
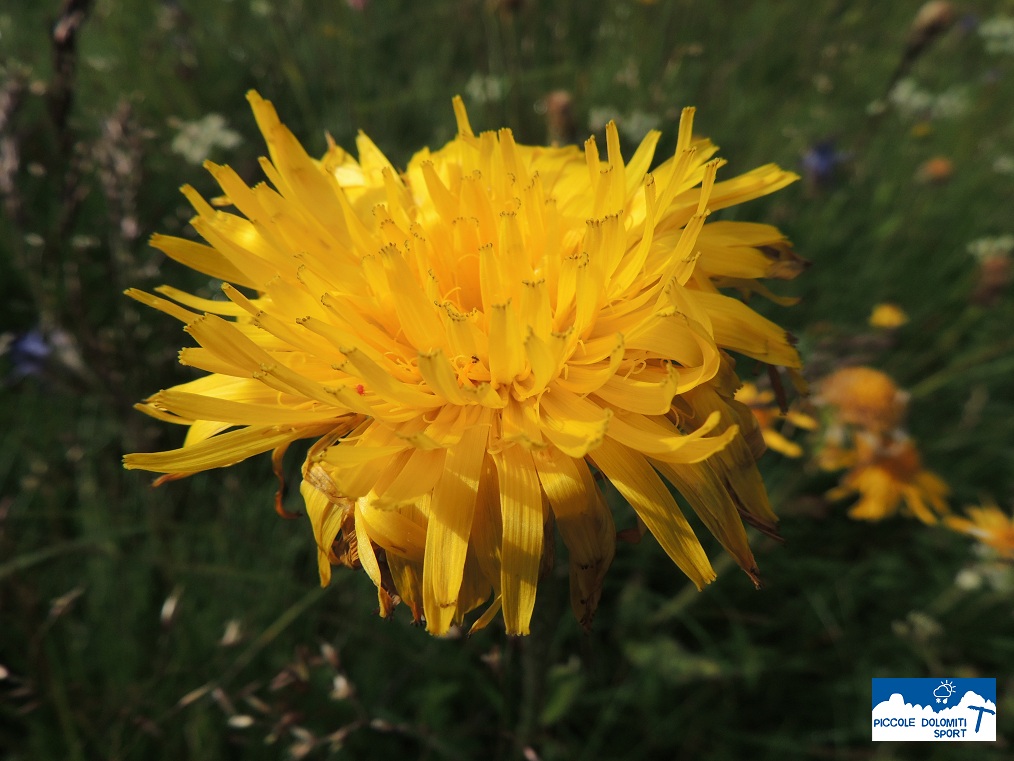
<point>415,478</point>
<point>202,258</point>
<point>711,500</point>
<point>672,336</point>
<point>199,407</point>
<point>487,616</point>
<point>242,246</point>
<point>487,524</point>
<point>203,429</point>
<point>522,512</point>
<point>204,305</point>
<point>326,519</point>
<point>638,165</point>
<point>183,315</point>
<point>407,578</point>
<point>358,363</point>
<point>735,464</point>
<point>520,423</point>
<point>574,424</point>
<point>398,534</point>
<point>450,525</point>
<point>506,347</point>
<point>648,391</point>
<point>753,184</point>
<point>220,451</point>
<point>641,486</point>
<point>439,374</point>
<point>741,329</point>
<point>475,588</point>
<point>303,180</point>
<point>660,439</point>
<point>464,128</point>
<point>585,524</point>
<point>368,559</point>
<point>588,378</point>
<point>780,444</point>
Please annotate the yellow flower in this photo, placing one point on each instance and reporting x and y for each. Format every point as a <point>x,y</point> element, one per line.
<point>886,472</point>
<point>762,405</point>
<point>469,342</point>
<point>864,397</point>
<point>888,316</point>
<point>990,525</point>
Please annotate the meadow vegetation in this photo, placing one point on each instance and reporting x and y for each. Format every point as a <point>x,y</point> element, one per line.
<point>187,621</point>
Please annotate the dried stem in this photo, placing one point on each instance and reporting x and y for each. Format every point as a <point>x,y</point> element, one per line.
<point>61,89</point>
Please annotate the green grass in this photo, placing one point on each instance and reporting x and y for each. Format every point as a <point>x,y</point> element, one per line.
<point>89,553</point>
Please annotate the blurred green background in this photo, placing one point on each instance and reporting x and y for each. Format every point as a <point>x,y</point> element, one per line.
<point>186,621</point>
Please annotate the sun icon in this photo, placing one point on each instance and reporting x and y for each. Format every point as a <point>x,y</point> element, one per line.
<point>944,691</point>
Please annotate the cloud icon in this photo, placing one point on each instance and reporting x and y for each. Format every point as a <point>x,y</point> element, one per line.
<point>944,691</point>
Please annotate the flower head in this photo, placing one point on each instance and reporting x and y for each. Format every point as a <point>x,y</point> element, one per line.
<point>864,397</point>
<point>990,525</point>
<point>197,139</point>
<point>820,164</point>
<point>887,473</point>
<point>887,315</point>
<point>29,353</point>
<point>936,170</point>
<point>471,343</point>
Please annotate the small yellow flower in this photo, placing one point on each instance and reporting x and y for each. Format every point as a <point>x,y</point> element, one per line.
<point>990,525</point>
<point>766,412</point>
<point>888,316</point>
<point>470,343</point>
<point>886,473</point>
<point>864,397</point>
<point>936,170</point>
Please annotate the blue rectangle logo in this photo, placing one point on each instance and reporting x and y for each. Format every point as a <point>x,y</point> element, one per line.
<point>938,710</point>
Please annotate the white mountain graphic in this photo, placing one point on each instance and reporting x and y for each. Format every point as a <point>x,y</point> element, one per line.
<point>897,708</point>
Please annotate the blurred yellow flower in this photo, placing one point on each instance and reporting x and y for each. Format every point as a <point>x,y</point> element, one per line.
<point>467,341</point>
<point>990,525</point>
<point>766,412</point>
<point>888,316</point>
<point>886,473</point>
<point>864,397</point>
<point>936,170</point>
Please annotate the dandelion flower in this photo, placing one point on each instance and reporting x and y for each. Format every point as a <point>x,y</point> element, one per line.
<point>472,344</point>
<point>864,397</point>
<point>887,316</point>
<point>990,525</point>
<point>936,170</point>
<point>887,474</point>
